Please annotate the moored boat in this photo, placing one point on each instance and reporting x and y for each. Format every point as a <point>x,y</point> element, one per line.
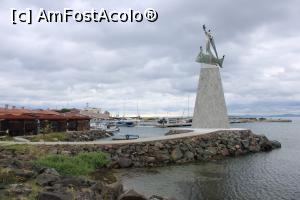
<point>126,137</point>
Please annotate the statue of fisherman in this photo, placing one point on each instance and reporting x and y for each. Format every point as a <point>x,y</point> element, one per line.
<point>209,57</point>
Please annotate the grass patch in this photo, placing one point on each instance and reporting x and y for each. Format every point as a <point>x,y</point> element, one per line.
<point>23,148</point>
<point>81,164</point>
<point>20,147</point>
<point>7,176</point>
<point>50,137</point>
<point>6,138</point>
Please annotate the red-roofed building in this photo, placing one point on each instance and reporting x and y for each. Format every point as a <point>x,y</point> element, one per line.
<point>28,122</point>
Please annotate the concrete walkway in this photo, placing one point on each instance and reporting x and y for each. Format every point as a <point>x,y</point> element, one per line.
<point>192,132</point>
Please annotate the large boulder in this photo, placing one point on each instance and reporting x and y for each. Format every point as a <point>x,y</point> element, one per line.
<point>225,152</point>
<point>47,177</point>
<point>275,144</point>
<point>189,155</point>
<point>75,182</point>
<point>124,162</point>
<point>156,197</point>
<point>159,145</point>
<point>212,150</point>
<point>254,148</point>
<point>266,146</point>
<point>49,171</point>
<point>162,155</point>
<point>176,154</point>
<point>55,196</point>
<point>245,143</point>
<point>131,195</point>
<point>109,191</point>
<point>150,159</point>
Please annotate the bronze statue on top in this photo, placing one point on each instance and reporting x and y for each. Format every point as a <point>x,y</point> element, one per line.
<point>209,57</point>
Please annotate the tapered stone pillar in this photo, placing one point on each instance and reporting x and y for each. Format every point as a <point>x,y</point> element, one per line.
<point>210,109</point>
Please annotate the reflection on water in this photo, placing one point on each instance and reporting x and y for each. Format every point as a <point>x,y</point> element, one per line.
<point>272,175</point>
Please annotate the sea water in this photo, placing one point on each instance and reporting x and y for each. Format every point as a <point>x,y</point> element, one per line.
<point>268,175</point>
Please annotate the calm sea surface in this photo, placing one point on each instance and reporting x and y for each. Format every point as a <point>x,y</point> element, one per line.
<point>141,131</point>
<point>272,175</point>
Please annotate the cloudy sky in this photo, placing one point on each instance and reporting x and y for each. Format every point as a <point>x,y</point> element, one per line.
<point>122,66</point>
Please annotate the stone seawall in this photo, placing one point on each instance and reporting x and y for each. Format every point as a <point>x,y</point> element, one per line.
<point>201,147</point>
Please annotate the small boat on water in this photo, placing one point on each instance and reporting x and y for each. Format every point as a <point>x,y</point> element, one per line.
<point>126,122</point>
<point>112,129</point>
<point>174,122</point>
<point>173,125</point>
<point>126,137</point>
<point>105,127</point>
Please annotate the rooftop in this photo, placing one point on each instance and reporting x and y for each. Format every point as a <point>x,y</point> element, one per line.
<point>27,114</point>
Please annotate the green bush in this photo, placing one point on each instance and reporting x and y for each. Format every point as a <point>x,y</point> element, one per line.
<point>81,164</point>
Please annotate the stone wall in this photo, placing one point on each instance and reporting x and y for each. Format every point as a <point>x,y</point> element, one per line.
<point>89,135</point>
<point>211,146</point>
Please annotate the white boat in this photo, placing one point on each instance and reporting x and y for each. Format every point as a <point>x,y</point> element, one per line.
<point>112,129</point>
<point>126,137</point>
<point>105,127</point>
<point>174,122</point>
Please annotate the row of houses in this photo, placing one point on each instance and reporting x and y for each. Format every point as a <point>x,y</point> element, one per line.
<point>15,122</point>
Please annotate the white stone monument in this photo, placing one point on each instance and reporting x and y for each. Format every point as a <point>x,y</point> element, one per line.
<point>210,108</point>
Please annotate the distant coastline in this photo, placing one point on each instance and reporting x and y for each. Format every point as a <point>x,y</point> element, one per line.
<point>256,119</point>
<point>265,116</point>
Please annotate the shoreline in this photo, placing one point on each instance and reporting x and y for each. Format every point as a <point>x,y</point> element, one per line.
<point>190,132</point>
<point>196,146</point>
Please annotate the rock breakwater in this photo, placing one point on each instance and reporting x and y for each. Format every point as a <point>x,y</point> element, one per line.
<point>202,147</point>
<point>20,178</point>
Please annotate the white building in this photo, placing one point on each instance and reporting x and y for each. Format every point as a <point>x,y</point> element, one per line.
<point>95,113</point>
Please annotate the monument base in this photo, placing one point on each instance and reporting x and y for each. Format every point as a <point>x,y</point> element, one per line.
<point>210,108</point>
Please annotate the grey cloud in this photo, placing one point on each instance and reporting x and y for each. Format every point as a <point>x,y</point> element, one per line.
<point>152,64</point>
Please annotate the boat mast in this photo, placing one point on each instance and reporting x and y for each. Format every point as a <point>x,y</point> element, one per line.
<point>123,109</point>
<point>137,109</point>
<point>188,107</point>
